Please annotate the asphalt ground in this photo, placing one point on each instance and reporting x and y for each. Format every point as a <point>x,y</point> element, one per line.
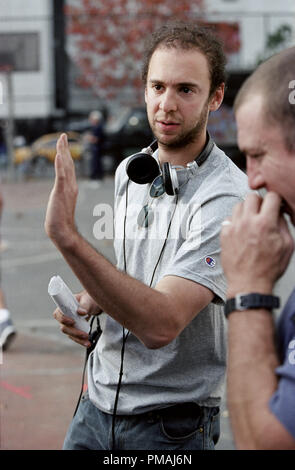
<point>41,373</point>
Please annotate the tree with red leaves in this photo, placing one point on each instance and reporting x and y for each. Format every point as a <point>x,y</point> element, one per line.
<point>107,36</point>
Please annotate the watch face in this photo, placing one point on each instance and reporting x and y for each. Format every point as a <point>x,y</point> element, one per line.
<point>245,301</point>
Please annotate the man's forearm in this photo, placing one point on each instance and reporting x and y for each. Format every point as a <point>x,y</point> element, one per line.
<point>256,247</point>
<point>124,298</point>
<point>251,376</point>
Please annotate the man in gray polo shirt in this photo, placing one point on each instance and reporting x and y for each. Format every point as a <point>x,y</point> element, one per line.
<point>155,378</point>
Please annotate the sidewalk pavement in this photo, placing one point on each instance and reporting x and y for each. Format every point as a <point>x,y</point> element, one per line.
<point>40,382</point>
<point>41,373</point>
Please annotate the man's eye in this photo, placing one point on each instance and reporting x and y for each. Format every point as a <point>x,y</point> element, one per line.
<point>157,87</point>
<point>185,89</point>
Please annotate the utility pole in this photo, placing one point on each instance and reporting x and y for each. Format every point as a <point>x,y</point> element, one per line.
<point>6,70</point>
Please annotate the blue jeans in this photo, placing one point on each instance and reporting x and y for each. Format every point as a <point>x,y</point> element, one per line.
<point>181,427</point>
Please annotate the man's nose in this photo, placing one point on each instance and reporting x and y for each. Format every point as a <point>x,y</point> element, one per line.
<point>168,101</point>
<point>254,173</point>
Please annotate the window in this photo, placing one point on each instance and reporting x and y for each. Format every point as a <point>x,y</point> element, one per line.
<point>20,51</point>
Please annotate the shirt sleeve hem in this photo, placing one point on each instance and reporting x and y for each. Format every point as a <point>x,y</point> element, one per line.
<point>219,294</point>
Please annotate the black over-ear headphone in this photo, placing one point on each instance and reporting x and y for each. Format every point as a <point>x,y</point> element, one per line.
<point>143,168</point>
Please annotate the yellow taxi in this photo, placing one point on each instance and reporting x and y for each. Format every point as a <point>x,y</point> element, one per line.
<point>45,148</point>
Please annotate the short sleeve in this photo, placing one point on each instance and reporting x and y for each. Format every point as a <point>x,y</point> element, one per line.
<point>198,258</point>
<point>282,403</point>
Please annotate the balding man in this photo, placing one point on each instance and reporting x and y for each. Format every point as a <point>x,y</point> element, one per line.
<point>256,249</point>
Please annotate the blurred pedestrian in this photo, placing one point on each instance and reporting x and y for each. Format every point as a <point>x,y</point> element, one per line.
<point>95,139</point>
<point>256,249</point>
<point>3,150</point>
<point>7,329</point>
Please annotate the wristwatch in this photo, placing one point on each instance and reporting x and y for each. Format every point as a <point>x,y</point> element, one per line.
<point>251,301</point>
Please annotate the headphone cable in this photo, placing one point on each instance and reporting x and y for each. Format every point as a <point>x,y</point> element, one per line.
<point>125,335</point>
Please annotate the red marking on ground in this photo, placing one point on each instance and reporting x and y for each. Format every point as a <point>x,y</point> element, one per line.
<point>22,391</point>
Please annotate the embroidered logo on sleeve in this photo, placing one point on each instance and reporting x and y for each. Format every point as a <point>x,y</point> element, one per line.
<point>210,261</point>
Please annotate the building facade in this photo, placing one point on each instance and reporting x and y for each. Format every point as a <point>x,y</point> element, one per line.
<point>41,55</point>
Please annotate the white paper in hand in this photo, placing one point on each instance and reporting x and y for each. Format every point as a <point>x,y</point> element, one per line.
<point>66,302</point>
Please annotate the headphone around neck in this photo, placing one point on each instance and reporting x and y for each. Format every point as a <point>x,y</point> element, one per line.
<point>143,168</point>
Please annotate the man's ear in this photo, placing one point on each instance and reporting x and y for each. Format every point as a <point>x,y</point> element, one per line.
<point>217,98</point>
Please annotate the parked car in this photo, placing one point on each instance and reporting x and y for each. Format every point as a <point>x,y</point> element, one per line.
<point>126,134</point>
<point>22,151</point>
<point>37,157</point>
<point>45,146</point>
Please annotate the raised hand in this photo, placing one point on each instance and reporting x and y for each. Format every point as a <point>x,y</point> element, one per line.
<point>60,215</point>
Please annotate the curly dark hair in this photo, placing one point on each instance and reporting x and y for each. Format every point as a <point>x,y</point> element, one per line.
<point>186,36</point>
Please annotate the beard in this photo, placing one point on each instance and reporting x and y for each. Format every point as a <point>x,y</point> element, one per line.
<point>189,136</point>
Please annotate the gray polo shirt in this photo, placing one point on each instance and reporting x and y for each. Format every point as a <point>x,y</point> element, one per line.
<point>186,231</point>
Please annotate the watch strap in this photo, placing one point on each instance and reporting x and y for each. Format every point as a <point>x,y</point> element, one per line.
<point>251,301</point>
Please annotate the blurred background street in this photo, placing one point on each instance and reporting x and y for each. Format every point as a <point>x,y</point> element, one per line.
<point>60,60</point>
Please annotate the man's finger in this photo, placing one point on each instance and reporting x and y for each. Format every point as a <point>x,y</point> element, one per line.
<point>61,318</point>
<point>59,169</point>
<point>271,206</point>
<point>252,204</point>
<point>85,343</point>
<point>74,332</point>
<point>62,147</point>
<point>61,144</point>
<point>226,222</point>
<point>237,211</point>
<point>82,311</point>
<point>284,229</point>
